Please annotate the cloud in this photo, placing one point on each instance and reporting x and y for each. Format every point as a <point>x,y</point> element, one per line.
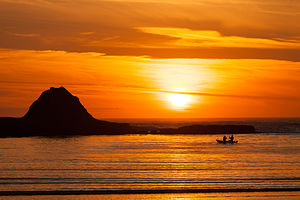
<point>242,96</point>
<point>25,34</point>
<point>206,52</point>
<point>86,33</point>
<point>109,27</point>
<point>208,38</point>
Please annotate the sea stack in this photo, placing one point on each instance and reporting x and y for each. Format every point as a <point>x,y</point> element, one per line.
<point>58,113</point>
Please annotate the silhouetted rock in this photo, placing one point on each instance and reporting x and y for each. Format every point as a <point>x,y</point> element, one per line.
<point>57,105</point>
<point>58,113</point>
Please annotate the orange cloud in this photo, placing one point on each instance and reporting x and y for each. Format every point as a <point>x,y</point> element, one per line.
<point>25,34</point>
<point>239,28</point>
<point>87,33</point>
<point>208,38</point>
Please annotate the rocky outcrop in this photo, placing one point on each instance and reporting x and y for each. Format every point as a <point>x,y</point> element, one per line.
<point>58,113</point>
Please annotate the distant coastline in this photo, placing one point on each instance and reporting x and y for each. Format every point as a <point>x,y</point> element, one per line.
<point>262,125</point>
<point>200,129</point>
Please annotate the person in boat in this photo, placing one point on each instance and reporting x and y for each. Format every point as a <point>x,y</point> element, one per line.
<point>224,138</point>
<point>231,138</point>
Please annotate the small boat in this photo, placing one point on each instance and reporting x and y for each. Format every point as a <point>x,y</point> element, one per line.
<point>227,141</point>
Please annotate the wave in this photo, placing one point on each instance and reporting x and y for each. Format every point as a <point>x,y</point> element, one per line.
<point>165,191</point>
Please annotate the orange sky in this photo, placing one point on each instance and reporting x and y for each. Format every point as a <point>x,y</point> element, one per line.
<point>153,59</point>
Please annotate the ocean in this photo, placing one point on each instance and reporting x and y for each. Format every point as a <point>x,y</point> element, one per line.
<point>259,166</point>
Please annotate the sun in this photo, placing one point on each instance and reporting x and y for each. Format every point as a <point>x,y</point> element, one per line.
<point>179,101</point>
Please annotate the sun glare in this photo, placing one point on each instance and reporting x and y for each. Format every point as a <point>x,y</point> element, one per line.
<point>179,100</point>
<point>176,81</point>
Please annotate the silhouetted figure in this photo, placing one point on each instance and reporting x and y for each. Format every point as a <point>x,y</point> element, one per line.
<point>224,138</point>
<point>231,138</point>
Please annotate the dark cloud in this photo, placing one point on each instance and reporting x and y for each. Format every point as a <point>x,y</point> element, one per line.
<point>56,25</point>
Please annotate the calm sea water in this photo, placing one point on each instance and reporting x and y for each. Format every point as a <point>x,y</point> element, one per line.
<point>151,162</point>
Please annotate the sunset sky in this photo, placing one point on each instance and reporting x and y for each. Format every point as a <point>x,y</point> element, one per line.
<point>153,58</point>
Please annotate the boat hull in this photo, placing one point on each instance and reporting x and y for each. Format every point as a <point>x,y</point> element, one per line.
<point>226,142</point>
